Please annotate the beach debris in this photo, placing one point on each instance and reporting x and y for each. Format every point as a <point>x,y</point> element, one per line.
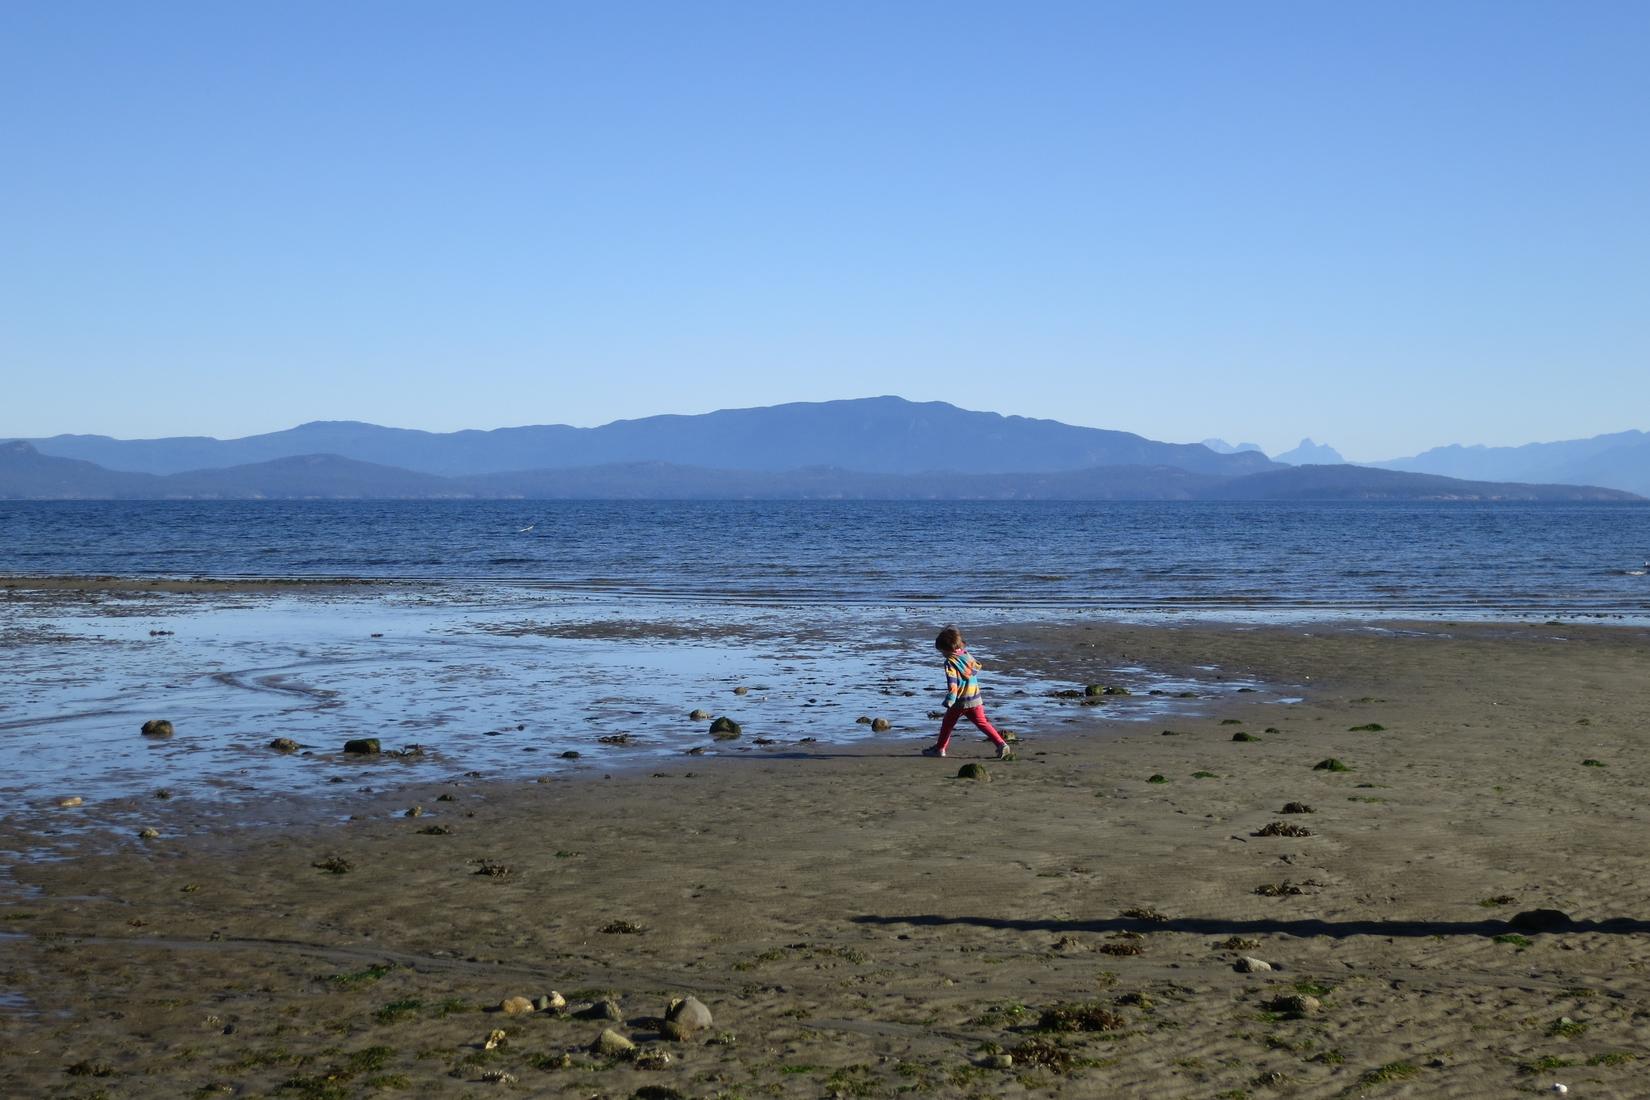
<point>697,750</point>
<point>1237,943</point>
<point>974,771</point>
<point>447,796</point>
<point>1367,727</point>
<point>515,1006</point>
<point>1284,889</point>
<point>148,832</point>
<point>1332,764</point>
<point>1279,828</point>
<point>1294,1005</point>
<point>1143,912</point>
<point>1080,1016</point>
<point>496,1038</point>
<point>1135,1000</point>
<point>1560,1089</point>
<point>1092,690</point>
<point>651,1059</point>
<point>881,725</point>
<point>1248,964</point>
<point>1591,763</point>
<point>498,1077</point>
<point>164,793</point>
<point>1241,735</point>
<point>741,690</point>
<point>549,1002</point>
<point>1296,808</point>
<point>284,744</point>
<point>1040,1050</point>
<point>71,802</point>
<point>1541,920</point>
<point>699,716</point>
<point>493,870</point>
<point>413,811</point>
<point>1157,778</point>
<point>157,727</point>
<point>614,739</point>
<point>610,1044</point>
<point>725,729</point>
<point>621,928</point>
<point>90,1069</point>
<point>1124,948</point>
<point>436,830</point>
<point>362,746</point>
<point>334,865</point>
<point>1171,733</point>
<point>685,1017</point>
<point>408,750</point>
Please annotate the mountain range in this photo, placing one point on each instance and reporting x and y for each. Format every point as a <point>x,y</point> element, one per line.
<point>872,448</point>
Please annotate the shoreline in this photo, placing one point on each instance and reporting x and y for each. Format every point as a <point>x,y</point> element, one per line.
<point>866,923</point>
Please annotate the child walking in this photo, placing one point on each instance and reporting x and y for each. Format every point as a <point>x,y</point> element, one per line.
<point>962,694</point>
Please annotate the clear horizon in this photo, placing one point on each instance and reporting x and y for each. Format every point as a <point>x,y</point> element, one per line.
<point>1387,229</point>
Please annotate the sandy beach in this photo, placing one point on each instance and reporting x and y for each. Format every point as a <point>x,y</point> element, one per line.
<point>860,921</point>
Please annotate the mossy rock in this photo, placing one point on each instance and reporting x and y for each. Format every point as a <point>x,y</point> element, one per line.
<point>1333,764</point>
<point>362,746</point>
<point>157,727</point>
<point>1240,735</point>
<point>1160,778</point>
<point>284,744</point>
<point>974,771</point>
<point>699,716</point>
<point>725,729</point>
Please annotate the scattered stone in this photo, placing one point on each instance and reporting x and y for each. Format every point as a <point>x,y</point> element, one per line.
<point>148,833</point>
<point>157,727</point>
<point>1295,1005</point>
<point>998,1061</point>
<point>605,1009</point>
<point>515,1006</point>
<point>1136,1000</point>
<point>610,1044</point>
<point>614,739</point>
<point>1279,828</point>
<point>1541,920</point>
<point>284,744</point>
<point>496,1038</point>
<point>699,716</point>
<point>974,771</point>
<point>741,690</point>
<point>1144,912</point>
<point>362,746</point>
<point>881,725</point>
<point>1080,1016</point>
<point>549,1002</point>
<point>651,1059</point>
<point>1236,943</point>
<point>1282,889</point>
<point>570,754</point>
<point>1242,736</point>
<point>725,729</point>
<point>493,870</point>
<point>684,1018</point>
<point>1297,808</point>
<point>414,811</point>
<point>449,797</point>
<point>334,865</point>
<point>1330,765</point>
<point>1158,778</point>
<point>1093,690</point>
<point>436,830</point>
<point>71,802</point>
<point>1123,949</point>
<point>864,720</point>
<point>1248,964</point>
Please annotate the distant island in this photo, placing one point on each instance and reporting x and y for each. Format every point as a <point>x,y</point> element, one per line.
<point>882,448</point>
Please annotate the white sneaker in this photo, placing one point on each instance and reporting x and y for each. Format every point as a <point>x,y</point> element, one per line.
<point>1005,751</point>
<point>933,750</point>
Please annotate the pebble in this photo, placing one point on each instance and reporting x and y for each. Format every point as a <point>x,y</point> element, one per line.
<point>610,1044</point>
<point>550,1002</point>
<point>515,1006</point>
<point>998,1061</point>
<point>1248,964</point>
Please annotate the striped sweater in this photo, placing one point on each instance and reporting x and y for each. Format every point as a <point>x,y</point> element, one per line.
<point>962,686</point>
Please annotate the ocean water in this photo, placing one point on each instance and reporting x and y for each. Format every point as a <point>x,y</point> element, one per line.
<point>1355,558</point>
<point>566,639</point>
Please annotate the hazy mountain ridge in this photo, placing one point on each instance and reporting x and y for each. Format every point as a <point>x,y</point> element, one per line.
<point>869,435</point>
<point>27,474</point>
<point>1619,460</point>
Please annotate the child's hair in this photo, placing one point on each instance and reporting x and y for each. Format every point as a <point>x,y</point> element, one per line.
<point>949,641</point>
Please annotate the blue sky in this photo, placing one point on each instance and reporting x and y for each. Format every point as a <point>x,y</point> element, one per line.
<point>1386,225</point>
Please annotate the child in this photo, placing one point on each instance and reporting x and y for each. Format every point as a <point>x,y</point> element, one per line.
<point>962,694</point>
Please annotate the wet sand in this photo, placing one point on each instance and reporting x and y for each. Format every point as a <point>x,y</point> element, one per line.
<point>861,922</point>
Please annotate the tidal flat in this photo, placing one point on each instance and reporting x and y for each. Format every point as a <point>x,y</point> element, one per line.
<point>1460,911</point>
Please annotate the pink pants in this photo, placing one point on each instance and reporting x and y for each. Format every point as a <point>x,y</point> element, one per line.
<point>975,715</point>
